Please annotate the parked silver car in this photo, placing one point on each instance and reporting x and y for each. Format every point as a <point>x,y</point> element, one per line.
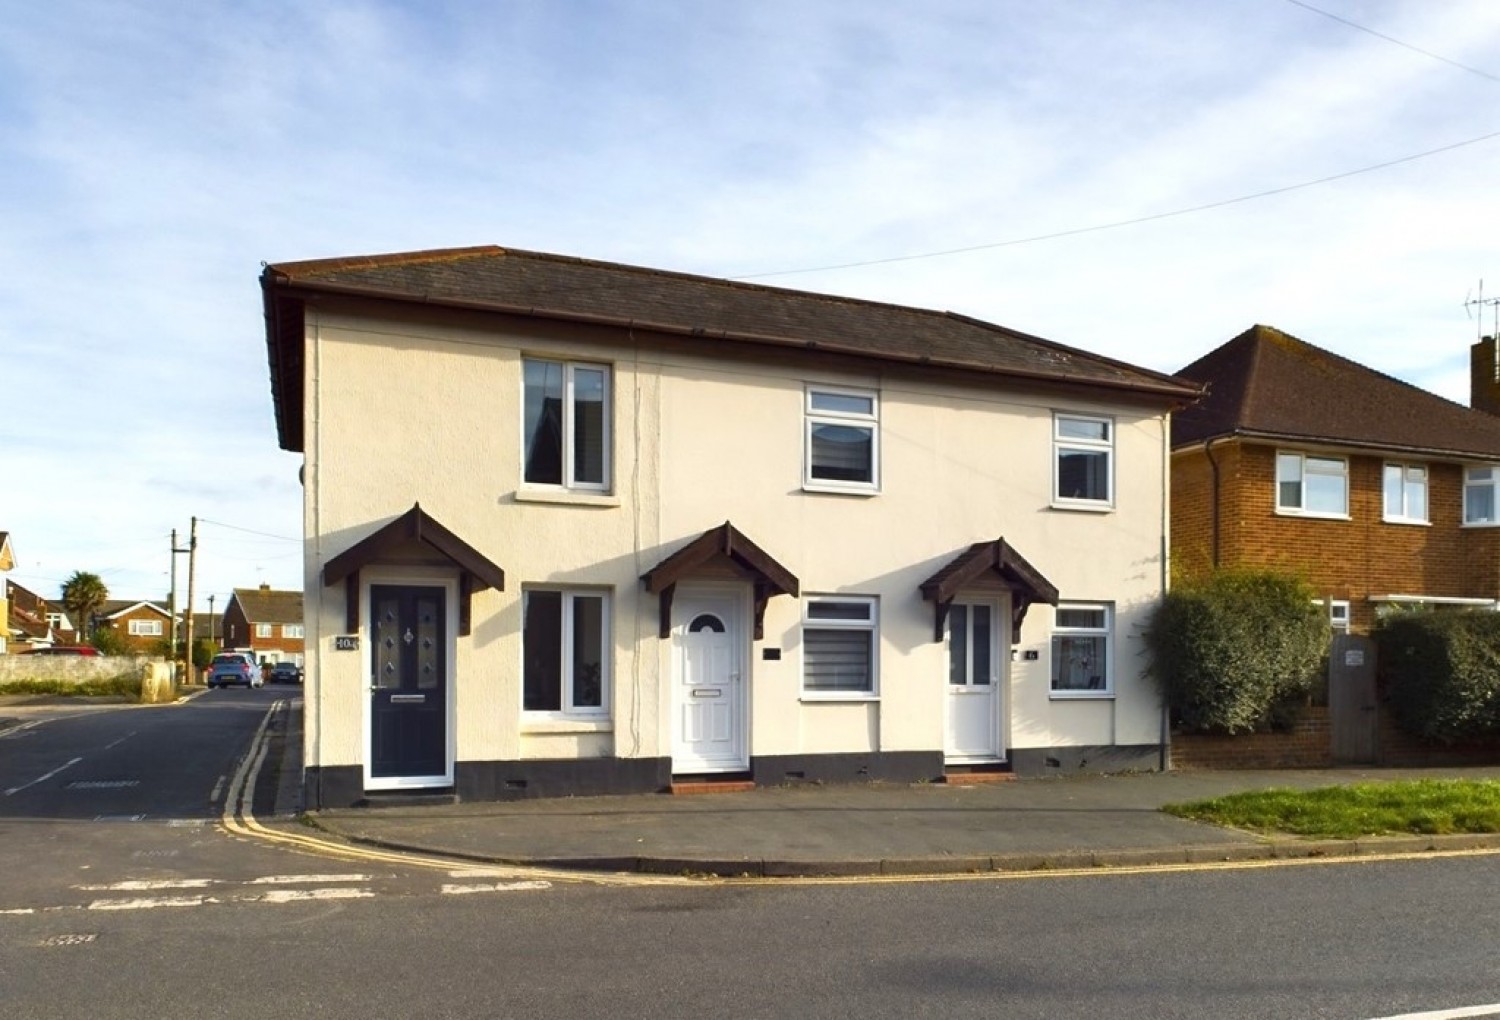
<point>234,668</point>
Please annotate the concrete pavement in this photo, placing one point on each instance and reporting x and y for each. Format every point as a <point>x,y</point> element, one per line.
<point>1021,825</point>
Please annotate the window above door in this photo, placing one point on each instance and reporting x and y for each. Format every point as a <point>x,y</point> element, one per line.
<point>841,440</point>
<point>566,418</point>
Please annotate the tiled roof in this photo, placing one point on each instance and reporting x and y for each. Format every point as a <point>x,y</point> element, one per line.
<point>263,605</point>
<point>114,607</point>
<point>708,310</point>
<point>1268,384</point>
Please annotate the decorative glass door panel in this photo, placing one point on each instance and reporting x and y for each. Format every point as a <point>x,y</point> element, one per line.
<point>408,683</point>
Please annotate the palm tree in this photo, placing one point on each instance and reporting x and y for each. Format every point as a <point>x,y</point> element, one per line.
<point>83,594</point>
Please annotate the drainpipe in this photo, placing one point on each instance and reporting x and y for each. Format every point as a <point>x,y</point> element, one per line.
<point>1213,467</point>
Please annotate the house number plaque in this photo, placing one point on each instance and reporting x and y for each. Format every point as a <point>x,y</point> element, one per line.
<point>346,642</point>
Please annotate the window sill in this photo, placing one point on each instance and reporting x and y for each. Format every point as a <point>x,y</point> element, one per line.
<point>1312,516</point>
<point>1410,522</point>
<point>557,725</point>
<point>1081,695</point>
<point>566,497</point>
<point>1480,524</point>
<point>810,697</point>
<point>840,490</point>
<point>1088,508</point>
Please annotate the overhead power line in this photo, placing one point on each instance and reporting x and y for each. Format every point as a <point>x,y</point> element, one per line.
<point>1392,39</point>
<point>1122,223</point>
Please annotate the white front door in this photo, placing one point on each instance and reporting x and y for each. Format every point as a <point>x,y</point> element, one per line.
<point>975,691</point>
<point>709,688</point>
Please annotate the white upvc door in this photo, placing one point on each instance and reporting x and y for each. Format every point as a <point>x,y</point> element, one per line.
<point>709,691</point>
<point>975,684</point>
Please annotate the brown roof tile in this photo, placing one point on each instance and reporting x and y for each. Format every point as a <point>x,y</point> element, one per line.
<point>713,310</point>
<point>1268,384</point>
<point>264,605</point>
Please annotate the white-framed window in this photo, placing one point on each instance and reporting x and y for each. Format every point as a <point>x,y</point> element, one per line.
<point>145,628</point>
<point>1082,642</point>
<point>1480,501</point>
<point>838,646</point>
<point>566,424</point>
<point>1083,448</point>
<point>263,630</point>
<point>1405,487</point>
<point>291,630</point>
<point>565,646</point>
<point>842,440</point>
<point>1312,486</point>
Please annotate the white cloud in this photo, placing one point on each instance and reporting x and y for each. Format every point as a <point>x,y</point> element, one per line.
<point>152,154</point>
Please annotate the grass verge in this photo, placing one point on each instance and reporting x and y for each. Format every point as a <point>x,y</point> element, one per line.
<point>1423,806</point>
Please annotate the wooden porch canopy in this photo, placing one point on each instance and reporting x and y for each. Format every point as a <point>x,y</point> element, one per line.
<point>1025,582</point>
<point>413,529</point>
<point>722,543</point>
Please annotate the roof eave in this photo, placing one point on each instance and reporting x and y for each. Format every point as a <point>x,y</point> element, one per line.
<point>1371,446</point>
<point>1172,392</point>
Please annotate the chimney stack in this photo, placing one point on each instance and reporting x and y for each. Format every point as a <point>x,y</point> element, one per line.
<point>1484,386</point>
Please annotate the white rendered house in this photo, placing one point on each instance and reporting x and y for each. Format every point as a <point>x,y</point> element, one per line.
<point>579,527</point>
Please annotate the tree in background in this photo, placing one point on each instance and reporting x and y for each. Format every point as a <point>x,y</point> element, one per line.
<point>83,595</point>
<point>110,641</point>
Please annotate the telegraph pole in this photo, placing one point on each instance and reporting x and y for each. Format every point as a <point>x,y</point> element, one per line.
<point>192,574</point>
<point>172,601</point>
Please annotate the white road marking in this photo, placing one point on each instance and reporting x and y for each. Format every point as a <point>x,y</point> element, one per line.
<point>306,879</point>
<point>1493,1009</point>
<point>122,740</point>
<point>151,904</point>
<point>295,895</point>
<point>42,779</point>
<point>19,910</point>
<point>149,885</point>
<point>459,890</point>
<point>218,789</point>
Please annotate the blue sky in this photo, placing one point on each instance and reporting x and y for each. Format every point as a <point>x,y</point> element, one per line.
<point>153,154</point>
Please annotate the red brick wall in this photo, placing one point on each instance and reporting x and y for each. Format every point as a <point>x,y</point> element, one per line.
<point>1342,559</point>
<point>1309,745</point>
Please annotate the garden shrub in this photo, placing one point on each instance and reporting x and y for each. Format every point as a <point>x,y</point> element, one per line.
<point>1237,652</point>
<point>1441,673</point>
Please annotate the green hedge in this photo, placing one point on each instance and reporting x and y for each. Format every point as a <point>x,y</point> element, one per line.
<point>1237,652</point>
<point>1441,673</point>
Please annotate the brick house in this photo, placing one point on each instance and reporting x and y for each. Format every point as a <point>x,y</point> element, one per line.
<point>1377,492</point>
<point>29,620</point>
<point>266,622</point>
<point>143,625</point>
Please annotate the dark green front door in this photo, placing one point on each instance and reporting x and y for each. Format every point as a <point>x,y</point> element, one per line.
<point>409,685</point>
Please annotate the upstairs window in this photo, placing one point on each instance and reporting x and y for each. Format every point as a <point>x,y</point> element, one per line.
<point>1480,503</point>
<point>565,425</point>
<point>1084,450</point>
<point>291,630</point>
<point>262,630</point>
<point>1312,486</point>
<point>1406,493</point>
<point>842,440</point>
